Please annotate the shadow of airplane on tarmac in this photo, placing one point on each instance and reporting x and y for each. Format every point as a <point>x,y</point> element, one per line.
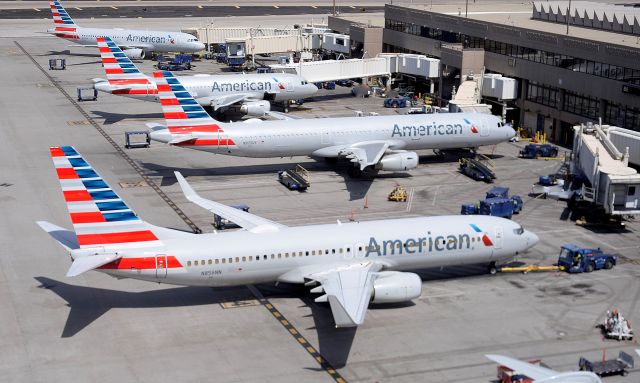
<point>87,304</point>
<point>357,187</point>
<point>112,118</point>
<point>67,52</point>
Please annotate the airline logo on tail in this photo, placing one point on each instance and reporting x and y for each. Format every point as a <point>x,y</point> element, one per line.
<point>99,216</point>
<point>485,238</point>
<point>474,129</point>
<point>184,115</point>
<point>120,70</point>
<point>64,23</point>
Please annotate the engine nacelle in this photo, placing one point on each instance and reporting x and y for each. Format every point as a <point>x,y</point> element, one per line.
<point>255,108</point>
<point>398,161</point>
<point>395,286</point>
<point>134,53</point>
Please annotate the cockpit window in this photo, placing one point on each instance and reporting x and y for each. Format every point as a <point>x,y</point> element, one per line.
<point>519,230</point>
<point>500,124</point>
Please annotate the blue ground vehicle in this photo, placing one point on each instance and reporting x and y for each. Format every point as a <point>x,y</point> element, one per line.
<point>537,150</point>
<point>497,207</point>
<point>395,102</point>
<point>575,259</point>
<point>503,192</point>
<point>179,62</point>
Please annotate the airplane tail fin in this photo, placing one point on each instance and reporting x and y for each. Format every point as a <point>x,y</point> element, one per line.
<point>120,70</point>
<point>182,112</point>
<point>100,218</point>
<point>64,24</point>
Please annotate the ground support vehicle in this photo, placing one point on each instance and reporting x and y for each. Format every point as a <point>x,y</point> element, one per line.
<point>476,169</point>
<point>539,151</point>
<point>297,179</point>
<point>615,326</point>
<point>575,259</point>
<point>220,223</point>
<point>620,365</point>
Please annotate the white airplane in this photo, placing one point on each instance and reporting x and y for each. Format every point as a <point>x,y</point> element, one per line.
<point>541,374</point>
<point>352,264</point>
<point>136,43</point>
<point>250,93</point>
<point>377,143</point>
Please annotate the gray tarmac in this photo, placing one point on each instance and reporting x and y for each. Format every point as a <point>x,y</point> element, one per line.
<point>96,328</point>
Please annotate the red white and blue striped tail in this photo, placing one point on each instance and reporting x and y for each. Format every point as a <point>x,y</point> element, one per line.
<point>117,66</point>
<point>63,22</point>
<point>100,218</point>
<point>183,113</point>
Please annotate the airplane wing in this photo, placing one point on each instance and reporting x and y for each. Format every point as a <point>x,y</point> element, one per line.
<point>222,101</point>
<point>348,290</point>
<point>365,153</point>
<point>248,221</point>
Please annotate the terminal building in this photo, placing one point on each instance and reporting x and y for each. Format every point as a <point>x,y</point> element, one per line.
<point>567,72</point>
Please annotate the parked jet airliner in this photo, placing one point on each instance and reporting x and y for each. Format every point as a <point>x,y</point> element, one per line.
<point>352,264</point>
<point>136,43</point>
<point>379,142</point>
<point>252,93</point>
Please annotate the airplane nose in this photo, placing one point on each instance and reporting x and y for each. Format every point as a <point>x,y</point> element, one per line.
<point>532,239</point>
<point>510,131</point>
<point>160,134</point>
<point>199,46</point>
<point>311,89</point>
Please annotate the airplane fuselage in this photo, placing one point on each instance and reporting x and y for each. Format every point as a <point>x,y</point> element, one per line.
<point>149,41</point>
<point>242,257</point>
<point>278,87</point>
<point>323,137</point>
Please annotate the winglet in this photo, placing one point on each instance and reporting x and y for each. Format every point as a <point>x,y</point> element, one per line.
<point>187,190</point>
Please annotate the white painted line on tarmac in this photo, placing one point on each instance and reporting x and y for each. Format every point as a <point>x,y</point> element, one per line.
<point>36,9</point>
<point>114,7</point>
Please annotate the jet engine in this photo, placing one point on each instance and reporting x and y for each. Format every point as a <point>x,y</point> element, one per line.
<point>255,108</point>
<point>398,161</point>
<point>134,53</point>
<point>395,286</point>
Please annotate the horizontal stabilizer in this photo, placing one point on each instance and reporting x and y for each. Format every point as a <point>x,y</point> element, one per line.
<point>82,264</point>
<point>66,238</point>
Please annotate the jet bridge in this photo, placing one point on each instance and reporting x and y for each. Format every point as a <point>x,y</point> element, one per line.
<point>609,182</point>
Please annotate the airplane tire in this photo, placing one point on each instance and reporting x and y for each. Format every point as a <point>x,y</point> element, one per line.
<point>493,270</point>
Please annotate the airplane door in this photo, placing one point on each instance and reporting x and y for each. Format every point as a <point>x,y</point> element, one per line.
<point>161,266</point>
<point>223,141</point>
<point>326,136</point>
<point>499,235</point>
<point>484,128</point>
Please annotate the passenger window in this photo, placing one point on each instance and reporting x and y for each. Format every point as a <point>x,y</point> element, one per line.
<point>348,249</point>
<point>313,252</point>
<point>257,257</point>
<point>273,256</point>
<point>203,263</point>
<point>244,259</point>
<point>340,250</point>
<point>224,260</point>
<point>237,259</point>
<point>195,263</point>
<point>230,260</point>
<point>326,251</point>
<point>264,257</point>
<point>217,261</point>
<point>306,253</point>
<point>279,255</point>
<point>188,263</point>
<point>209,262</point>
<point>286,255</point>
<point>333,251</point>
